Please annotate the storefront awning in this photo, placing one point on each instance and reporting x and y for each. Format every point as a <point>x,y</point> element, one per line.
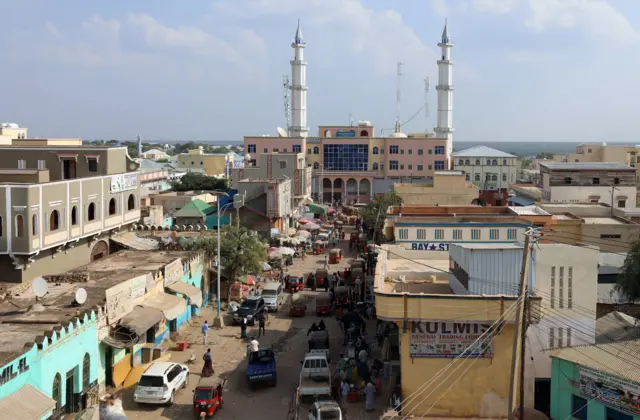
<point>171,306</point>
<point>26,403</point>
<point>318,209</point>
<point>141,319</point>
<point>193,293</point>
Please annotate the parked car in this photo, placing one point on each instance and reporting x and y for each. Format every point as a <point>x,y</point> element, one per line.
<point>250,309</point>
<point>325,410</point>
<point>160,382</point>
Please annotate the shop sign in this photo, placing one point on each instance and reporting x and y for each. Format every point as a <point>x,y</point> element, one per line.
<point>8,373</point>
<point>138,288</point>
<point>193,267</point>
<point>429,246</point>
<point>448,339</point>
<point>119,301</point>
<point>124,182</point>
<point>619,393</point>
<point>173,272</point>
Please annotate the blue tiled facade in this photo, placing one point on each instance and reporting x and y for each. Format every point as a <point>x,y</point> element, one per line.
<point>346,157</point>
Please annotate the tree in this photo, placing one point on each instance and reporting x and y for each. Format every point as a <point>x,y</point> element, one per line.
<point>374,213</point>
<point>193,181</point>
<point>628,283</point>
<point>544,155</point>
<point>241,252</point>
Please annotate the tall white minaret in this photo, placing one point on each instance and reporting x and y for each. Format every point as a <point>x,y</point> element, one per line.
<point>298,126</point>
<point>139,146</point>
<point>445,93</point>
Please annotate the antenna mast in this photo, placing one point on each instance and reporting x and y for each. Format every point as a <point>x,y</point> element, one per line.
<point>426,103</point>
<point>398,88</point>
<point>286,86</point>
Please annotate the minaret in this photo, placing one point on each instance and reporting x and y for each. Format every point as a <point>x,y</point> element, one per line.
<point>139,146</point>
<point>298,126</point>
<point>445,93</point>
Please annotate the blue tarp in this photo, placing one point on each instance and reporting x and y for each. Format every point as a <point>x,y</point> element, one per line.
<point>519,201</point>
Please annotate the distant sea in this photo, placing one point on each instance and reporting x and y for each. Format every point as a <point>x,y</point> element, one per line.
<point>517,148</point>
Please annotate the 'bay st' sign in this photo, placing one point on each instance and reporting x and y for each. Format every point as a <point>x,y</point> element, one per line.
<point>429,246</point>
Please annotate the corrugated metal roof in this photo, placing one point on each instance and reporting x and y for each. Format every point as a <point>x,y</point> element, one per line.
<point>615,327</point>
<point>195,208</point>
<point>482,151</point>
<point>619,359</point>
<point>27,403</point>
<point>610,263</point>
<point>586,166</point>
<point>132,241</point>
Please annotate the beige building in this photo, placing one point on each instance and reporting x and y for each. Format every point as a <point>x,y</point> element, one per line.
<point>154,154</point>
<point>211,164</point>
<point>602,152</point>
<point>60,205</point>
<point>268,204</point>
<point>449,188</point>
<point>173,201</point>
<point>13,134</point>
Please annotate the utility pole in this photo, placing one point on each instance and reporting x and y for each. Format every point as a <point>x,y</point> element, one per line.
<point>519,339</point>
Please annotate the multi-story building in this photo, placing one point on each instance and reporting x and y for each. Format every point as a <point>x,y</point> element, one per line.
<point>449,188</point>
<point>267,205</point>
<point>60,204</point>
<point>491,170</point>
<point>211,164</point>
<point>602,152</point>
<point>589,182</point>
<point>13,134</point>
<point>154,154</point>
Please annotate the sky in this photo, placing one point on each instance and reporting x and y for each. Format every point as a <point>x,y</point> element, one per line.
<point>525,70</point>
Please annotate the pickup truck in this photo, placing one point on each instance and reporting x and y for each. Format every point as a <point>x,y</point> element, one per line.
<point>315,375</point>
<point>319,343</point>
<point>261,367</point>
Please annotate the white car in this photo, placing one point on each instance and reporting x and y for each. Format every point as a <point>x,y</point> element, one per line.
<point>160,382</point>
<point>325,410</point>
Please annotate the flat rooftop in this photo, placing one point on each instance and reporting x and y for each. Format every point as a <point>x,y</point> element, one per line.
<point>416,286</point>
<point>417,210</point>
<point>603,221</point>
<point>586,166</point>
<point>529,211</point>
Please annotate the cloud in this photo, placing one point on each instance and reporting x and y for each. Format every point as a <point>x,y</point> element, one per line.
<point>530,56</point>
<point>495,6</point>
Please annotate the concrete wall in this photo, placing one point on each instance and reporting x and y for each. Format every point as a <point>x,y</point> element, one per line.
<point>446,190</point>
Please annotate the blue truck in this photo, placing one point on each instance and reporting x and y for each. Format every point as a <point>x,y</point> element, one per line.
<point>261,367</point>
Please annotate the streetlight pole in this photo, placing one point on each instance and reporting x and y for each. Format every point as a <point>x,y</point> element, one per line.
<point>218,322</point>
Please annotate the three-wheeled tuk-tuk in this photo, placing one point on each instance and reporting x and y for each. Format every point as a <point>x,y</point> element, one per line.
<point>294,284</point>
<point>321,274</point>
<point>335,255</point>
<point>297,309</point>
<point>341,296</point>
<point>323,305</point>
<point>207,397</point>
<point>319,247</point>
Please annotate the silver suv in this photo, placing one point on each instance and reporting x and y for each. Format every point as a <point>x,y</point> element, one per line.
<point>160,382</point>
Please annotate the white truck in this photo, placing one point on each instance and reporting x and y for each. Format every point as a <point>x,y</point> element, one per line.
<point>315,375</point>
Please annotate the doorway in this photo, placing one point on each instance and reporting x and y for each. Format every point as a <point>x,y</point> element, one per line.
<point>68,169</point>
<point>542,395</point>
<point>108,365</point>
<point>69,396</point>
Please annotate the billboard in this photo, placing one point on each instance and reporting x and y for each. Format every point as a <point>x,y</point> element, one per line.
<point>619,393</point>
<point>173,272</point>
<point>448,339</point>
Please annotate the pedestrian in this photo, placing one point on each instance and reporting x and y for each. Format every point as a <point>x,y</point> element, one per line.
<point>326,282</point>
<point>207,369</point>
<point>358,288</point>
<point>369,312</point>
<point>395,402</point>
<point>326,261</point>
<point>344,394</point>
<point>243,328</point>
<point>205,332</point>
<point>262,319</point>
<point>370,391</point>
<point>254,345</point>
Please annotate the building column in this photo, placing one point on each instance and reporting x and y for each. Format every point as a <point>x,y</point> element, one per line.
<point>332,190</point>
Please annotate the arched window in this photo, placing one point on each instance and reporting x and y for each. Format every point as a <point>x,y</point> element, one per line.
<point>56,393</point>
<point>468,177</point>
<point>131,202</point>
<point>375,150</point>
<point>91,212</point>
<point>494,162</point>
<point>86,369</point>
<point>504,177</point>
<point>316,165</point>
<point>54,221</point>
<point>494,177</point>
<point>364,133</point>
<point>34,224</point>
<point>477,161</point>
<point>504,162</point>
<point>112,206</point>
<point>19,226</point>
<point>375,166</point>
<point>467,162</point>
<point>488,162</point>
<point>316,150</point>
<point>74,216</point>
<point>461,162</point>
<point>477,177</point>
<point>327,133</point>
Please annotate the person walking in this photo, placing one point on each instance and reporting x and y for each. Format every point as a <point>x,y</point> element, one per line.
<point>205,332</point>
<point>358,288</point>
<point>207,369</point>
<point>262,320</point>
<point>370,392</point>
<point>326,261</point>
<point>243,328</point>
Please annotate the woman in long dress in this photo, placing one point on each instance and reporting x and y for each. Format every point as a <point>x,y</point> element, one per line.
<point>370,392</point>
<point>207,369</point>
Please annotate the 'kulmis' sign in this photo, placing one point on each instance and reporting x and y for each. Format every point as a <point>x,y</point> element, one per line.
<point>448,339</point>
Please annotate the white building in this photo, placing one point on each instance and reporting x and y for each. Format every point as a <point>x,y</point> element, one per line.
<point>588,182</point>
<point>444,88</point>
<point>299,127</point>
<point>154,154</point>
<point>487,168</point>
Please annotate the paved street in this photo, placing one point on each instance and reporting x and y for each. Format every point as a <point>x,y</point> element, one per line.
<point>289,339</point>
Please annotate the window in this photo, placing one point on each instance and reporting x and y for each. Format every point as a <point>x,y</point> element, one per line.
<point>439,165</point>
<point>410,151</point>
<point>112,207</point>
<point>612,414</point>
<point>420,152</point>
<point>457,234</point>
<point>54,221</point>
<point>569,287</point>
<point>622,203</point>
<point>308,151</point>
<point>402,151</point>
<point>475,234</point>
<point>422,234</point>
<point>494,177</point>
<point>477,161</point>
<point>588,150</point>
<point>251,148</point>
<point>488,162</point>
<point>131,202</point>
<point>494,162</point>
<point>382,150</point>
<point>283,164</point>
<point>382,166</point>
<point>420,167</point>
<point>560,336</point>
<point>504,162</point>
<point>403,233</point>
<point>567,181</point>
<point>401,166</point>
<point>393,150</point>
<point>316,150</point>
<point>477,177</point>
<point>616,181</point>
<point>461,162</point>
<point>552,333</point>
<point>316,165</point>
<point>74,216</point>
<point>91,212</point>
<point>265,150</point>
<point>393,165</point>
<point>552,298</point>
<point>56,393</point>
<point>579,404</point>
<point>605,236</point>
<point>467,162</point>
<point>19,226</point>
<point>22,164</point>
<point>429,152</point>
<point>375,151</point>
<point>504,177</point>
<point>561,288</point>
<point>92,164</point>
<point>468,177</point>
<point>34,224</point>
<point>364,133</point>
<point>494,234</point>
<point>276,150</point>
<point>438,234</point>
<point>439,150</point>
<point>596,181</point>
<point>296,148</point>
<point>42,164</point>
<point>568,336</point>
<point>409,167</point>
<point>511,234</point>
<point>86,369</point>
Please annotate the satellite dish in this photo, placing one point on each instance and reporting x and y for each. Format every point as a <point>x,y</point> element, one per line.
<point>81,296</point>
<point>39,287</point>
<point>282,132</point>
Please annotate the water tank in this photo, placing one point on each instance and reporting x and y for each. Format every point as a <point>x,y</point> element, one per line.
<point>364,123</point>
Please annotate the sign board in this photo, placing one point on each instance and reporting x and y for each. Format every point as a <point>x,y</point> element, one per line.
<point>448,339</point>
<point>345,133</point>
<point>619,393</point>
<point>429,246</point>
<point>124,182</point>
<point>193,267</point>
<point>150,283</point>
<point>119,302</point>
<point>139,288</point>
<point>173,272</point>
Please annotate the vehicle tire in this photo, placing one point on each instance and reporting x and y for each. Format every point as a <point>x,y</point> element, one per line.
<point>186,382</point>
<point>172,399</point>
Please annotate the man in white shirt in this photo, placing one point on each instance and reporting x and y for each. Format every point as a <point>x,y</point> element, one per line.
<point>254,345</point>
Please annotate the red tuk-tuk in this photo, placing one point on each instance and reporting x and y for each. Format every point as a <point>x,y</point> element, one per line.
<point>323,305</point>
<point>321,273</point>
<point>297,309</point>
<point>207,397</point>
<point>319,247</point>
<point>294,284</point>
<point>341,296</point>
<point>335,255</point>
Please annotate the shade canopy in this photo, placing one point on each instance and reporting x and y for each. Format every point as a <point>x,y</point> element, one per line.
<point>193,293</point>
<point>141,319</point>
<point>171,306</point>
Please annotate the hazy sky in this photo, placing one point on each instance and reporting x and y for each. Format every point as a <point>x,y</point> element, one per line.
<point>525,70</point>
